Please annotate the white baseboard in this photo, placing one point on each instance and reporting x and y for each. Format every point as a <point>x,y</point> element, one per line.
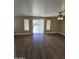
<point>45,33</point>
<point>62,33</point>
<point>50,32</point>
<point>54,32</point>
<point>22,33</point>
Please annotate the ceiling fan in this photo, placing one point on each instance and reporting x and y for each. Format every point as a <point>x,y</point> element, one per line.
<point>60,16</point>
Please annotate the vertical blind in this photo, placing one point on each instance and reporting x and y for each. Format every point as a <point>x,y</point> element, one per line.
<point>26,24</point>
<point>48,23</point>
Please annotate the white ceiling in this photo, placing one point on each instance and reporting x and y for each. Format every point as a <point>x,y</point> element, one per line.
<point>38,7</point>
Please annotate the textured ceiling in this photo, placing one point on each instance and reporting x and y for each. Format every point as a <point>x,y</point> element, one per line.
<point>38,7</point>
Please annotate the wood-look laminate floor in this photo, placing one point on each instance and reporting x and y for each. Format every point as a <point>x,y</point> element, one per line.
<point>40,46</point>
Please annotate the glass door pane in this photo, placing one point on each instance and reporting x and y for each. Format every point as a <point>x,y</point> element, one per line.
<point>38,26</point>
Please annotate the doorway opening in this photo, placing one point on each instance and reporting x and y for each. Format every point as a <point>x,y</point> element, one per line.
<point>38,26</point>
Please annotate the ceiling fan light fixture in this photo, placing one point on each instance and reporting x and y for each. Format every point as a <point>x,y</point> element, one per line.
<point>60,17</point>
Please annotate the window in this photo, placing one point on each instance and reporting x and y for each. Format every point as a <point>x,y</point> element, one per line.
<point>48,22</point>
<point>26,24</point>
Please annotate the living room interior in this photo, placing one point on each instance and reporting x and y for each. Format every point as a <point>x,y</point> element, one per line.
<point>39,29</point>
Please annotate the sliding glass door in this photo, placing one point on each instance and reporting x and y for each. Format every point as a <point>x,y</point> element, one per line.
<point>38,26</point>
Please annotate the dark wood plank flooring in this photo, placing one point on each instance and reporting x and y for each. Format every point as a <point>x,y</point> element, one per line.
<point>40,46</point>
